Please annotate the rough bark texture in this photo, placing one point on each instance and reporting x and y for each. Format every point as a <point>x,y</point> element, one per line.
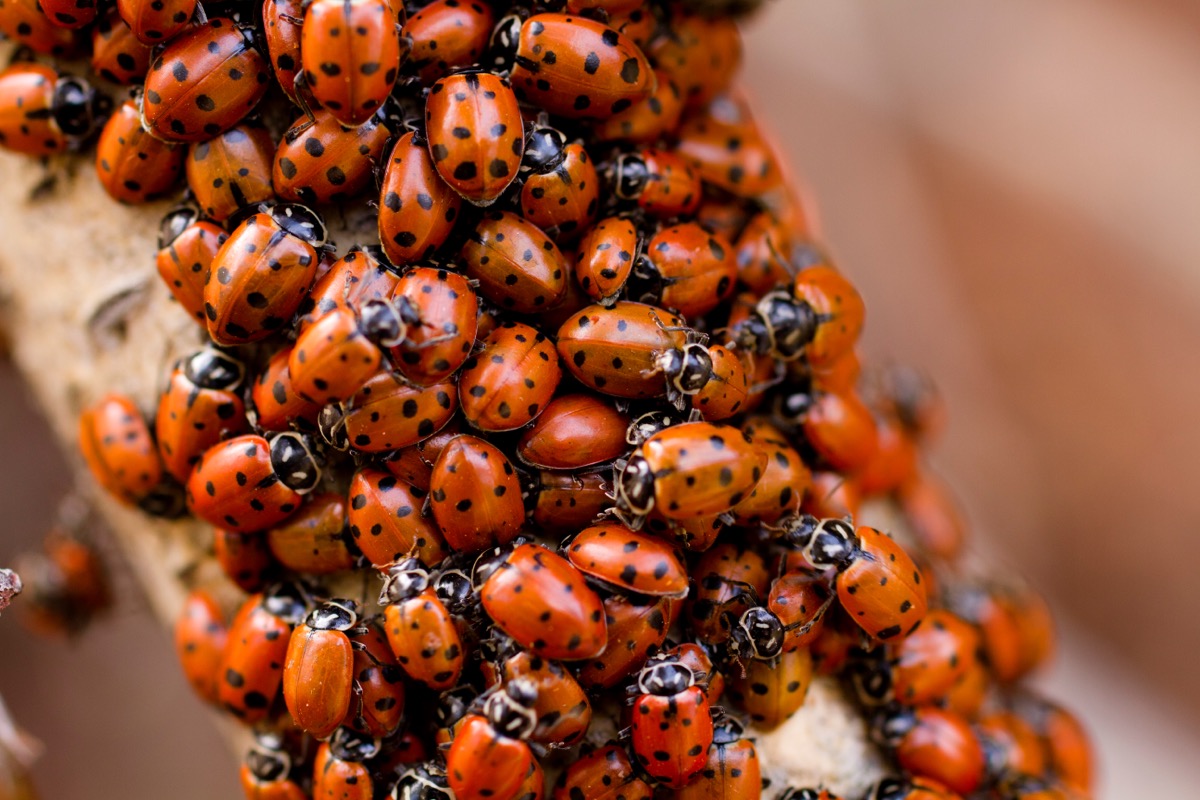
<point>87,314</point>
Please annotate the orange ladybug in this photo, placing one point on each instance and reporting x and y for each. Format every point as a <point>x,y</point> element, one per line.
<point>419,629</point>
<point>510,380</point>
<point>388,520</point>
<point>318,673</point>
<point>515,263</point>
<point>43,112</point>
<point>489,758</point>
<point>232,171</point>
<point>200,637</point>
<point>471,520</point>
<point>134,167</point>
<point>200,407</point>
<point>251,667</point>
<point>476,136</point>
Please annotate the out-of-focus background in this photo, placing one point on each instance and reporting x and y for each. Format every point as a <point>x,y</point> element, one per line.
<point>1015,187</point>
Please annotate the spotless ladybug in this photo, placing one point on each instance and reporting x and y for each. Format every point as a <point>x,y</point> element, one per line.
<point>201,406</point>
<point>44,112</point>
<point>672,722</point>
<point>574,431</point>
<point>476,134</point>
<point>489,758</point>
<point>419,628</point>
<point>313,540</point>
<point>318,674</point>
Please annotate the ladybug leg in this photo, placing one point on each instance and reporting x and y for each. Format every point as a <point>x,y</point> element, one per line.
<point>200,16</point>
<point>303,95</point>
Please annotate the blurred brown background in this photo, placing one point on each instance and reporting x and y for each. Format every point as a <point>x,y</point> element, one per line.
<point>1015,186</point>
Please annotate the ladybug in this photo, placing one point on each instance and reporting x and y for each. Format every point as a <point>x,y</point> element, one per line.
<point>1031,787</point>
<point>792,793</point>
<point>726,148</point>
<point>1065,740</point>
<point>605,258</point>
<point>912,788</point>
<point>628,561</point>
<point>43,112</point>
<point>266,772</point>
<point>419,628</point>
<point>313,540</point>
<point>68,584</point>
<point>1015,626</point>
<point>510,380</point>
<point>932,516</point>
<point>672,724</point>
<point>657,117</point>
<point>200,636</point>
<point>838,427</point>
<point>337,354</point>
<point>414,464</point>
<point>564,502</point>
<point>425,780</point>
<point>282,22</point>
<point>447,311</point>
<point>200,406</point>
<point>637,628</point>
<point>156,22</point>
<point>350,76</point>
<point>786,480</point>
<point>539,599</point>
<point>203,82</point>
<point>799,601</point>
<point>327,163</point>
<point>232,171</point>
<point>385,414</point>
<point>968,695</point>
<point>446,34</point>
<point>731,769</point>
<point>338,769</point>
<point>250,483</point>
<point>574,431</point>
<point>23,22</point>
<point>251,667</point>
<point>119,451</point>
<point>134,167</point>
<point>877,582</point>
<point>72,14</point>
<point>387,520</point>
<point>927,664</point>
<point>702,54</point>
<point>377,704</point>
<point>574,67</point>
<point>117,55</point>
<point>602,774</point>
<point>933,743</point>
<point>893,463</point>
<point>417,209</point>
<point>727,393</point>
<point>476,135</point>
<point>729,579</point>
<point>689,470</point>
<point>766,251</point>
<point>562,708</point>
<point>517,266</point>
<point>471,520</point>
<point>362,274</point>
<point>262,273</point>
<point>244,558</point>
<point>770,692</point>
<point>489,758</point>
<point>318,674</point>
<point>1010,745</point>
<point>635,351</point>
<point>186,248</point>
<point>660,182</point>
<point>277,406</point>
<point>561,191</point>
<point>691,270</point>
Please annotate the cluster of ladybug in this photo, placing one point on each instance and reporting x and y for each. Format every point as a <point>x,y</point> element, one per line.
<point>591,409</point>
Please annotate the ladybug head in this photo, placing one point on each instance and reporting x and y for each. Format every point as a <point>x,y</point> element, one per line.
<point>454,704</point>
<point>455,591</point>
<point>790,324</point>
<point>758,635</point>
<point>331,424</point>
<point>891,789</point>
<point>301,222</point>
<point>333,615</point>
<point>349,745</point>
<point>288,601</point>
<point>727,730</point>
<point>382,323</point>
<point>294,463</point>
<point>77,107</point>
<point>872,679</point>
<point>422,781</point>
<point>403,580</point>
<point>635,486</point>
<point>511,711</point>
<point>545,149</point>
<point>649,424</point>
<point>176,221</point>
<point>629,176</point>
<point>889,727</point>
<point>792,793</point>
<point>502,47</point>
<point>791,409</point>
<point>211,369</point>
<point>832,544</point>
<point>665,677</point>
<point>268,763</point>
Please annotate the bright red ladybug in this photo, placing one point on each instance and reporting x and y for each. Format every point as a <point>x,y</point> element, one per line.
<point>277,406</point>
<point>313,540</point>
<point>539,599</point>
<point>489,758</point>
<point>927,664</point>
<point>510,380</point>
<point>232,171</point>
<point>564,502</point>
<point>933,743</point>
<point>377,705</point>
<point>635,351</point>
<point>605,258</point>
<point>117,55</point>
<point>23,22</point>
<point>203,83</point>
<point>561,192</point>
<point>838,426</point>
<point>250,483</point>
<point>517,266</point>
<point>119,451</point>
<point>662,183</point>
<point>799,601</point>
<point>446,34</point>
<point>386,414</point>
<point>388,520</point>
<point>702,54</point>
<point>362,274</point>
<point>729,580</point>
<point>186,248</point>
<point>133,166</point>
<point>266,772</point>
<point>471,519</point>
<point>244,558</point>
<point>575,67</point>
<point>731,769</point>
<point>417,209</point>
<point>200,406</point>
<point>260,276</point>
<point>419,628</point>
<point>628,561</point>
<point>43,112</point>
<point>770,692</point>
<point>672,723</point>
<point>447,311</point>
<point>689,470</point>
<point>342,350</point>
<point>562,708</point>
<point>636,629</point>
<point>603,774</point>
<point>318,674</point>
<point>156,21</point>
<point>476,136</point>
<point>200,637</point>
<point>327,163</point>
<point>351,75</point>
<point>282,22</point>
<point>656,117</point>
<point>877,583</point>
<point>338,769</point>
<point>574,431</point>
<point>251,667</point>
<point>693,270</point>
<point>727,149</point>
